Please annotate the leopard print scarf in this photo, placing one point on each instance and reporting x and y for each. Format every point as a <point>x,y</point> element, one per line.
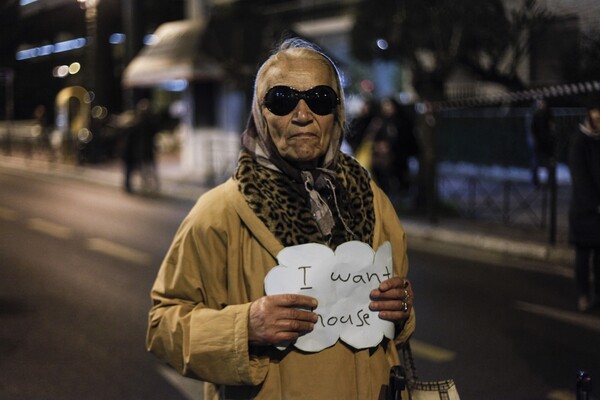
<point>279,202</point>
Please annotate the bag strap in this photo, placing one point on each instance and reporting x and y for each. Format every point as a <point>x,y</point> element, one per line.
<point>404,375</point>
<point>397,383</point>
<point>408,362</point>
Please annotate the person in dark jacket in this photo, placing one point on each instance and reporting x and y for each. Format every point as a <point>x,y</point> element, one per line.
<point>139,149</point>
<point>130,152</point>
<point>393,144</point>
<point>147,123</point>
<point>584,211</point>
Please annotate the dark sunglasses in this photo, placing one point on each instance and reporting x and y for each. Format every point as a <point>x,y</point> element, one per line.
<point>281,100</point>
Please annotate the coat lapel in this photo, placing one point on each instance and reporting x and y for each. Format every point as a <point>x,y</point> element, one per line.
<point>258,228</point>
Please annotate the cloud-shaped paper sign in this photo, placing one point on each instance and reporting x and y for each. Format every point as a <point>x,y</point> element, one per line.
<point>341,282</point>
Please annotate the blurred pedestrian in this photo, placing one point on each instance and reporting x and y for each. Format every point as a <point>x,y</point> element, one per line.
<point>426,127</point>
<point>211,318</point>
<point>394,143</point>
<point>147,125</point>
<point>584,210</point>
<point>43,131</point>
<point>131,148</point>
<point>357,128</point>
<point>543,139</point>
<point>362,133</point>
<point>138,152</point>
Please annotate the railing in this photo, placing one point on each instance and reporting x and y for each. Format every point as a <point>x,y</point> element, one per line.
<point>498,138</point>
<point>507,199</point>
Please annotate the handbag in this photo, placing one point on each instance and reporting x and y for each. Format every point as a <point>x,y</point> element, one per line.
<point>406,377</point>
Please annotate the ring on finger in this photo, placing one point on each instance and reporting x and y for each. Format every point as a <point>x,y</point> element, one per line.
<point>404,306</point>
<point>406,296</point>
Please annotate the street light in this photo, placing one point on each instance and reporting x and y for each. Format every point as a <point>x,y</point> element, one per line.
<point>83,135</point>
<point>91,23</point>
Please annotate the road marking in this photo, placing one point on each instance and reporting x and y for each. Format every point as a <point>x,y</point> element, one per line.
<point>7,214</point>
<point>430,352</point>
<point>561,395</point>
<point>191,389</point>
<point>119,251</point>
<point>573,318</point>
<point>50,228</point>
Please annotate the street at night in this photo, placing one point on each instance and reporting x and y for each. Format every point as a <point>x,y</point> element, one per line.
<point>477,123</point>
<point>78,261</point>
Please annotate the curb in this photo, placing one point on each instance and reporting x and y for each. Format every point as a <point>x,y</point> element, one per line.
<point>421,237</point>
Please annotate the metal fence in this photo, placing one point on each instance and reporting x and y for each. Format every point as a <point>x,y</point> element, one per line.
<point>484,160</point>
<point>499,135</point>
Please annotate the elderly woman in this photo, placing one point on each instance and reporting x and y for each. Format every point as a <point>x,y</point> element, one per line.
<point>211,318</point>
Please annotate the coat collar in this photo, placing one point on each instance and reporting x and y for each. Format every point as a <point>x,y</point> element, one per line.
<point>259,229</point>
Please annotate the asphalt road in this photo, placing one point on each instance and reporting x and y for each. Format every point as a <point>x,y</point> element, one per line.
<point>513,331</point>
<point>77,262</point>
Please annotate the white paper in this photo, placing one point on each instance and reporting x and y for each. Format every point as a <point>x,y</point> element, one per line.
<point>341,282</point>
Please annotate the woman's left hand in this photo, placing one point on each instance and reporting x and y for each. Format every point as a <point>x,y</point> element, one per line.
<point>393,299</point>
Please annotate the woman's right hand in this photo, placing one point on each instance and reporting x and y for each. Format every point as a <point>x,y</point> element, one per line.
<point>281,318</point>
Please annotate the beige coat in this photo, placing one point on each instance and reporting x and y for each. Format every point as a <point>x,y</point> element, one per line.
<point>199,323</point>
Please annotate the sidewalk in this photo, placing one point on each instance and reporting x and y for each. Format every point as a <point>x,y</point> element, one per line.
<point>455,237</point>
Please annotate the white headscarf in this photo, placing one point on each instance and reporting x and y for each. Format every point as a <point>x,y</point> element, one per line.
<point>260,142</point>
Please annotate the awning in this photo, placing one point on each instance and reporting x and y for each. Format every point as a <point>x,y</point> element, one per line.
<point>175,55</point>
